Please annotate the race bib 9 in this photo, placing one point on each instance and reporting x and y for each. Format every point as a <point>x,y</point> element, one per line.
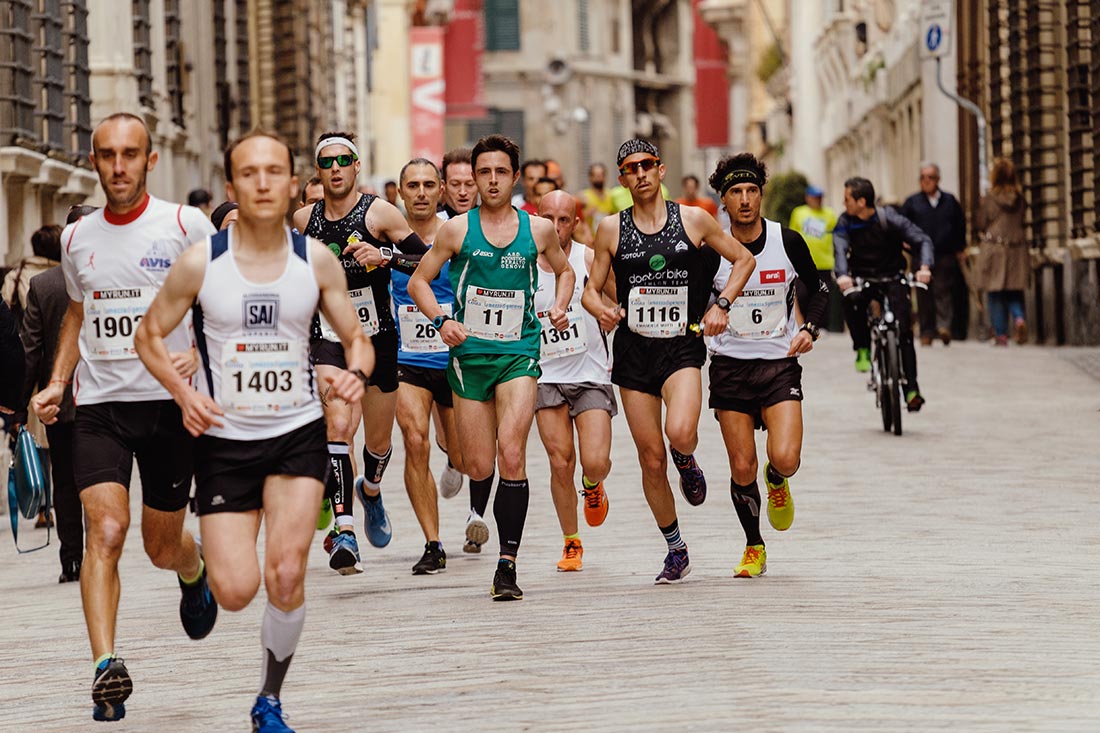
<point>418,334</point>
<point>759,314</point>
<point>555,343</point>
<point>261,376</point>
<point>494,315</point>
<point>658,312</point>
<point>110,319</point>
<point>363,302</point>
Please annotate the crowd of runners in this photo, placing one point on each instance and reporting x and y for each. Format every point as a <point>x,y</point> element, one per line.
<point>248,353</point>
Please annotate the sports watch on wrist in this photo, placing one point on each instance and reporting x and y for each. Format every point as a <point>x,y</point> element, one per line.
<point>388,254</point>
<point>811,329</point>
<point>723,303</point>
<point>439,320</point>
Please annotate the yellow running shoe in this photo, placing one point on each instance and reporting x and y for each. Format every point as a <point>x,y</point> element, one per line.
<point>324,517</point>
<point>780,503</point>
<point>753,563</point>
<point>571,557</point>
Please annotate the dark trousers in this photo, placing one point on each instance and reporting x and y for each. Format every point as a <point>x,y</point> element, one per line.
<point>66,500</point>
<point>937,303</point>
<point>855,313</point>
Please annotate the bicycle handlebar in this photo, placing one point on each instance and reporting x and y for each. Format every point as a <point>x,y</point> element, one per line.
<point>862,282</point>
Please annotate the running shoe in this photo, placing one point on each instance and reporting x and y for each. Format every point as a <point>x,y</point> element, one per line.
<point>780,503</point>
<point>913,401</point>
<point>571,557</point>
<point>863,360</point>
<point>434,560</point>
<point>477,533</point>
<point>198,609</point>
<point>376,523</point>
<point>504,586</point>
<point>596,505</point>
<point>111,687</point>
<point>343,557</point>
<point>324,519</point>
<point>676,567</point>
<point>450,482</point>
<point>268,716</point>
<point>754,563</point>
<point>693,484</point>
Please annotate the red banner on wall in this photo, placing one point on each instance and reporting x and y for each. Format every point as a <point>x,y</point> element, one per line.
<point>712,88</point>
<point>427,91</point>
<point>463,46</point>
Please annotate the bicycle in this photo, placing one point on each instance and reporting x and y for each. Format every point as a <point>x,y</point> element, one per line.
<point>886,380</point>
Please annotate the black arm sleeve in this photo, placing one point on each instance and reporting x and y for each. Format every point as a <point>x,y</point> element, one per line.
<point>412,245</point>
<point>799,255</point>
<point>405,263</point>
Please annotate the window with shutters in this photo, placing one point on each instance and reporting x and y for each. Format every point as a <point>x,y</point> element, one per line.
<point>143,53</point>
<point>507,122</point>
<point>584,39</point>
<point>77,126</point>
<point>49,81</point>
<point>173,60</point>
<point>221,74</point>
<point>244,74</point>
<point>17,103</point>
<point>501,25</point>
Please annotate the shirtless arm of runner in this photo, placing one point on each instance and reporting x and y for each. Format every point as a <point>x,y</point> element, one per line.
<point>447,244</point>
<point>599,272</point>
<point>609,293</point>
<point>47,403</point>
<point>300,218</point>
<point>546,240</point>
<point>174,299</point>
<point>716,320</point>
<point>340,313</point>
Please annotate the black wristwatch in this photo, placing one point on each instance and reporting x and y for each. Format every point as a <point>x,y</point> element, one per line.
<point>811,329</point>
<point>439,320</point>
<point>723,303</point>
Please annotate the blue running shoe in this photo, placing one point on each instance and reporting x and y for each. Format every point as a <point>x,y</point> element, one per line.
<point>198,609</point>
<point>693,484</point>
<point>111,687</point>
<point>376,523</point>
<point>344,555</point>
<point>676,567</point>
<point>268,716</point>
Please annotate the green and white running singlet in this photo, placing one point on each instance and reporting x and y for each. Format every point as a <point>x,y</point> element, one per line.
<point>494,291</point>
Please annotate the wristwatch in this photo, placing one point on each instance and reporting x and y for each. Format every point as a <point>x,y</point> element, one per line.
<point>361,376</point>
<point>723,303</point>
<point>811,329</point>
<point>387,252</point>
<point>439,320</point>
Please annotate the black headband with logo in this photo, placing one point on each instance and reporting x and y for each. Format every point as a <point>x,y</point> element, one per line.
<point>741,175</point>
<point>636,145</point>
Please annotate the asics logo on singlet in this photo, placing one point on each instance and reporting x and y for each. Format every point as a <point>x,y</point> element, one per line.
<point>513,261</point>
<point>261,313</point>
<point>481,253</point>
<point>156,259</point>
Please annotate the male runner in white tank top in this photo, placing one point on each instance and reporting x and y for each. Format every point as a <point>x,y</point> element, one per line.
<point>114,261</point>
<point>574,389</point>
<point>260,449</point>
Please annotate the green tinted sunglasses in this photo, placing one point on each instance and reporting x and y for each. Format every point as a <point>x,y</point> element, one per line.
<point>326,161</point>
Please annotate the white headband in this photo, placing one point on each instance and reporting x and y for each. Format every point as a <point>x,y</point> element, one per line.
<point>336,141</point>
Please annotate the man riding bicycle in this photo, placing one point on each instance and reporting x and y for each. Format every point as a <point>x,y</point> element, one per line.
<point>869,244</point>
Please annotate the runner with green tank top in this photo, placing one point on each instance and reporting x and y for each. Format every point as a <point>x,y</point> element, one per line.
<point>494,339</point>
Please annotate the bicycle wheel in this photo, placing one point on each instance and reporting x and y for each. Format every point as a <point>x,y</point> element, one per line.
<point>892,379</point>
<point>882,382</point>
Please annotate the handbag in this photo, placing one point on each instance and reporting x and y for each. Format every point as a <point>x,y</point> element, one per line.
<point>27,489</point>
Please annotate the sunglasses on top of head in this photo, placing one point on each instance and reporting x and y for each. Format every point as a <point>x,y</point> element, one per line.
<point>646,164</point>
<point>326,161</point>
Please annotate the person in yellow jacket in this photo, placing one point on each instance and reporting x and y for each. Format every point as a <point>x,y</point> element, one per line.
<point>815,222</point>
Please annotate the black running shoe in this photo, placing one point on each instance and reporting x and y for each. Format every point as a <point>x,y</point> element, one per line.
<point>198,609</point>
<point>504,582</point>
<point>434,560</point>
<point>111,687</point>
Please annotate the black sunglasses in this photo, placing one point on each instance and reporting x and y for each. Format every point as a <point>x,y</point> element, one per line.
<point>646,164</point>
<point>326,161</point>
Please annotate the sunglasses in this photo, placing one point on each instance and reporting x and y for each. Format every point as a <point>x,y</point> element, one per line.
<point>325,161</point>
<point>646,164</point>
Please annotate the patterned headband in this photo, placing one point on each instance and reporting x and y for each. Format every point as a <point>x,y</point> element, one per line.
<point>636,145</point>
<point>741,175</point>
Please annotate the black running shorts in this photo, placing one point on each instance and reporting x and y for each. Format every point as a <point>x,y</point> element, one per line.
<point>747,385</point>
<point>433,380</point>
<point>230,474</point>
<point>384,376</point>
<point>644,364</point>
<point>107,437</point>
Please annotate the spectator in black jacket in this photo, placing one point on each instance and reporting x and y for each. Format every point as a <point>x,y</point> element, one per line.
<point>11,369</point>
<point>941,217</point>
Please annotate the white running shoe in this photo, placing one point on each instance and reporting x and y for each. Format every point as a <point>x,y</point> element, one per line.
<point>477,534</point>
<point>450,482</point>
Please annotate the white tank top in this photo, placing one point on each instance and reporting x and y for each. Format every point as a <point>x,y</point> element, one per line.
<point>580,353</point>
<point>762,322</point>
<point>254,342</point>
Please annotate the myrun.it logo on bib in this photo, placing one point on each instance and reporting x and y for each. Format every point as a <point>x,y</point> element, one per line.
<point>657,263</point>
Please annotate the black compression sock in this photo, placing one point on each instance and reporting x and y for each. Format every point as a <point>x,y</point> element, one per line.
<point>510,511</point>
<point>375,466</point>
<point>774,477</point>
<point>340,478</point>
<point>479,494</point>
<point>746,500</point>
<point>679,460</point>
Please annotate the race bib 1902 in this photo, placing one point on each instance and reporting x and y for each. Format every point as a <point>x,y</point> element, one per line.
<point>658,312</point>
<point>494,315</point>
<point>555,343</point>
<point>110,319</point>
<point>417,332</point>
<point>261,375</point>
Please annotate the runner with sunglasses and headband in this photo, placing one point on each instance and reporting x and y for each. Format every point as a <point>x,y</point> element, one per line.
<point>370,236</point>
<point>664,258</point>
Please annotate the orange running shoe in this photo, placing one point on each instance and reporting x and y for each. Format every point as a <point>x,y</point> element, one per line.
<point>571,557</point>
<point>595,505</point>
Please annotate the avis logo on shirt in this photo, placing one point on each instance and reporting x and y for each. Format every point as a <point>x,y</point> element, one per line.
<point>773,276</point>
<point>157,258</point>
<point>261,313</point>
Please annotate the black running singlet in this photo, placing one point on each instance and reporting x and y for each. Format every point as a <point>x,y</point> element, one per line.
<point>337,235</point>
<point>665,260</point>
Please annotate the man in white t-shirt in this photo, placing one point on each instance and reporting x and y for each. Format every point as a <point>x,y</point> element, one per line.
<point>574,389</point>
<point>115,261</point>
